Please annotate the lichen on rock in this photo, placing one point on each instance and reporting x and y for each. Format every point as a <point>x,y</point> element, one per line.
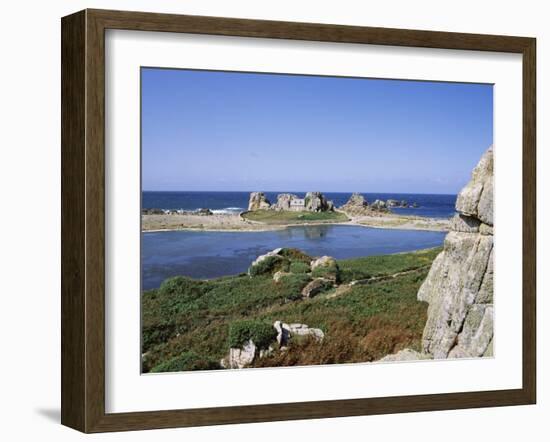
<point>459,286</point>
<point>258,201</point>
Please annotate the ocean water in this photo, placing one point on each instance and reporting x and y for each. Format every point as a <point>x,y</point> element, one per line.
<point>433,206</point>
<point>208,255</point>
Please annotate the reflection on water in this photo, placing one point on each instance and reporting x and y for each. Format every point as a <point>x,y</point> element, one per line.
<point>309,232</point>
<point>215,254</point>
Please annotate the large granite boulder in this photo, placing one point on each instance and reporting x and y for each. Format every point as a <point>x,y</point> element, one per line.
<point>405,355</point>
<point>476,199</point>
<point>283,201</point>
<point>325,267</point>
<point>240,357</point>
<point>392,203</point>
<point>258,201</point>
<point>316,202</point>
<point>270,263</point>
<point>356,200</point>
<point>286,331</point>
<point>379,205</point>
<point>315,287</point>
<point>459,286</point>
<point>356,205</point>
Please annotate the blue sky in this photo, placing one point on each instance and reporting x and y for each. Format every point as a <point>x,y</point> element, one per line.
<point>238,131</point>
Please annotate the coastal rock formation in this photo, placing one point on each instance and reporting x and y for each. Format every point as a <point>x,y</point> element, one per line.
<point>396,203</point>
<point>284,200</point>
<point>152,212</point>
<point>258,201</point>
<point>476,199</point>
<point>316,202</point>
<point>379,205</point>
<point>204,212</point>
<point>356,205</point>
<point>459,286</point>
<point>312,202</point>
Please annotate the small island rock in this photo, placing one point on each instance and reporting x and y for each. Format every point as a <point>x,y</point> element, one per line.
<point>258,201</point>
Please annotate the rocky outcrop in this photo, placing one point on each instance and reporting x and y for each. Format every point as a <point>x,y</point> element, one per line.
<point>270,263</point>
<point>204,212</point>
<point>396,203</point>
<point>405,355</point>
<point>283,201</point>
<point>379,205</point>
<point>285,332</point>
<point>249,352</point>
<point>152,212</point>
<point>325,267</point>
<point>258,201</point>
<point>278,276</point>
<point>356,205</point>
<point>316,202</point>
<point>459,286</point>
<point>313,288</point>
<point>312,202</point>
<point>476,199</point>
<point>240,357</point>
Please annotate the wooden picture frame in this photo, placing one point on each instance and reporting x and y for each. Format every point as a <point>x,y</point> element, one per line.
<point>83,220</point>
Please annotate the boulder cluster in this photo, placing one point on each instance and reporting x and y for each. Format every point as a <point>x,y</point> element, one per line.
<point>317,274</point>
<point>312,202</point>
<point>357,205</point>
<point>258,201</point>
<point>240,357</point>
<point>313,275</point>
<point>459,286</point>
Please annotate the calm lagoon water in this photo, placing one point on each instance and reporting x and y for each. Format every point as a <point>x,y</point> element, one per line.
<point>208,255</point>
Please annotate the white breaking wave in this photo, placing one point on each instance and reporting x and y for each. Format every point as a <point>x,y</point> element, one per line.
<point>227,211</point>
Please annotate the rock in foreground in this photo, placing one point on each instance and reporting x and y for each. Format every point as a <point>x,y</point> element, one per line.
<point>405,355</point>
<point>459,286</point>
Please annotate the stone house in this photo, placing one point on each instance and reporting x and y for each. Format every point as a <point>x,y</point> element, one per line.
<point>297,204</point>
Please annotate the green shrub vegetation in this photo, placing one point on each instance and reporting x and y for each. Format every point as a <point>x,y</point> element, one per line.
<point>190,323</point>
<point>367,267</point>
<point>269,265</point>
<point>186,361</point>
<point>331,271</point>
<point>299,267</point>
<point>261,333</point>
<point>295,255</point>
<point>293,283</point>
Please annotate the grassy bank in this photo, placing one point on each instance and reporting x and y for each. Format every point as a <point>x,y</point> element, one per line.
<point>288,217</point>
<point>187,323</point>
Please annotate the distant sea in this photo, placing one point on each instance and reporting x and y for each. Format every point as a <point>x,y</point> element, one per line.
<point>433,206</point>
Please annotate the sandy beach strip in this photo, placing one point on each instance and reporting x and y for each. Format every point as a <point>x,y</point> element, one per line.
<point>235,223</point>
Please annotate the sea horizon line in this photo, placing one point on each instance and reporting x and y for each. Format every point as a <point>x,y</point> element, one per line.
<point>298,191</point>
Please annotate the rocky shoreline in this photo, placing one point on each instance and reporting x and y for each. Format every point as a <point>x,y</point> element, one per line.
<point>236,223</point>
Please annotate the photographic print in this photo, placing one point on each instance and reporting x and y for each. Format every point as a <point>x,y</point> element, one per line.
<point>296,220</point>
